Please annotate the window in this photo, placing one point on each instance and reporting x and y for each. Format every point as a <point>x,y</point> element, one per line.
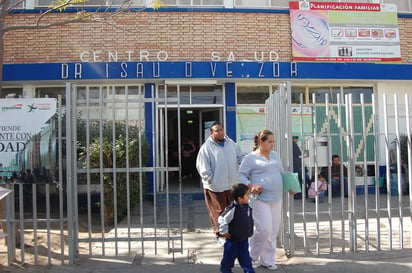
<point>252,94</point>
<point>51,92</point>
<point>11,92</point>
<point>356,93</point>
<point>93,3</point>
<point>332,92</point>
<point>297,93</point>
<point>196,94</point>
<point>321,93</point>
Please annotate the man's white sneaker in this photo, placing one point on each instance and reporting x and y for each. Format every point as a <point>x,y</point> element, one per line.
<point>271,267</point>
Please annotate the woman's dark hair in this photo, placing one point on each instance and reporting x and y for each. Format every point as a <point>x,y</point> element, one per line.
<point>239,190</point>
<point>261,137</point>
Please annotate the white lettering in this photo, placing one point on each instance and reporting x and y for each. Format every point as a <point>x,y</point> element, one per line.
<point>276,70</point>
<point>228,71</point>
<point>107,70</point>
<point>84,56</point>
<point>159,56</point>
<point>188,69</point>
<point>261,70</point>
<point>213,68</point>
<point>129,55</point>
<point>139,69</point>
<point>78,71</point>
<point>144,55</point>
<point>65,71</point>
<point>156,70</point>
<point>273,56</point>
<point>123,73</point>
<point>231,57</point>
<point>215,56</point>
<point>113,57</point>
<point>96,56</point>
<point>262,56</point>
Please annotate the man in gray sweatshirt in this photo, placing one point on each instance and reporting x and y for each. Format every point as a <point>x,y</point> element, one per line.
<point>217,163</point>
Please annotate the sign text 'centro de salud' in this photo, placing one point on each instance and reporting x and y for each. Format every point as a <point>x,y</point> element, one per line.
<point>147,64</point>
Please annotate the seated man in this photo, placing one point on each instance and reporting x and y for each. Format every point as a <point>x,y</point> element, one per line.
<point>336,176</point>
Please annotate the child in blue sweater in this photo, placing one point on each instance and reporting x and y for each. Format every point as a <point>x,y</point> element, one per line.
<point>236,225</point>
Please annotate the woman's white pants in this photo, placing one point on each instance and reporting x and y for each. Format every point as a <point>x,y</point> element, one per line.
<point>266,216</point>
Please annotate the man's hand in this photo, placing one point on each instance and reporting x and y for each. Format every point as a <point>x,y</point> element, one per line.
<point>226,235</point>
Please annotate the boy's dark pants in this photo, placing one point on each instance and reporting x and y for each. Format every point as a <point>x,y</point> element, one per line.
<point>233,250</point>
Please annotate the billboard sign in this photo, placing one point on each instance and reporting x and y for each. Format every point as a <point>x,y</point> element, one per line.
<point>26,139</point>
<point>344,32</point>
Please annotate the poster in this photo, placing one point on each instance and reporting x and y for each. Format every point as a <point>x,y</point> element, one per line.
<point>249,121</point>
<point>25,140</point>
<point>302,116</point>
<point>344,32</point>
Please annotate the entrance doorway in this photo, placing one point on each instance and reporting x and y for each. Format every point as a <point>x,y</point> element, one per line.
<point>194,129</point>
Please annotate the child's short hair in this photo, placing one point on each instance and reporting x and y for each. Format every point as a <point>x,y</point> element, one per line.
<point>239,190</point>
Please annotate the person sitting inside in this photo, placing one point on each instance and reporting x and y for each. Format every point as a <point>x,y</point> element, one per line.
<point>335,171</point>
<point>322,189</point>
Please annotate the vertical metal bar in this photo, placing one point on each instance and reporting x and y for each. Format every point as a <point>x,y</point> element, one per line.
<point>342,135</point>
<point>47,186</point>
<point>11,224</point>
<point>60,182</point>
<point>89,208</point>
<point>70,116</point>
<point>388,175</point>
<point>179,141</point>
<point>302,132</point>
<point>351,169</point>
<point>21,221</point>
<point>155,143</point>
<point>129,246</point>
<point>408,129</point>
<point>377,174</point>
<point>365,167</point>
<point>114,173</point>
<point>163,147</point>
<point>329,143</point>
<point>74,181</point>
<point>140,107</point>
<point>289,140</point>
<point>399,170</point>
<point>102,103</point>
<point>315,156</point>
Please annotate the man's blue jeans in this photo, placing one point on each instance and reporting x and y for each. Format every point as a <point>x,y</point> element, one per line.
<point>336,187</point>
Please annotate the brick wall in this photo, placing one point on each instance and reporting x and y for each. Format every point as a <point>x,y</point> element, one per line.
<point>184,35</point>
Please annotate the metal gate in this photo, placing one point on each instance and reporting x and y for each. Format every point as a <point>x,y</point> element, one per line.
<point>110,194</point>
<point>122,169</point>
<point>376,214</point>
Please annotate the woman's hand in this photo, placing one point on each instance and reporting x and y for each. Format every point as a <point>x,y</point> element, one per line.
<point>292,192</point>
<point>254,189</point>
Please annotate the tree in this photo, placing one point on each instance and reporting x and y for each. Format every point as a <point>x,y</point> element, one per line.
<point>103,13</point>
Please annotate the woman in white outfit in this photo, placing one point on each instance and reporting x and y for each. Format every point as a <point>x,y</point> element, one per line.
<point>261,170</point>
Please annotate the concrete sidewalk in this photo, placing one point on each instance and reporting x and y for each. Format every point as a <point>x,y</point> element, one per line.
<point>207,258</point>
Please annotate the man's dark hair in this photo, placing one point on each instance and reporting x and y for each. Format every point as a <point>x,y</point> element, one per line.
<point>215,123</point>
<point>239,190</point>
